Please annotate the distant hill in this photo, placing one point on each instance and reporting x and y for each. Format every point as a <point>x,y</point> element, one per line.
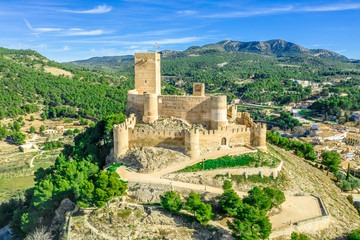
<point>272,48</point>
<point>254,71</point>
<point>27,78</point>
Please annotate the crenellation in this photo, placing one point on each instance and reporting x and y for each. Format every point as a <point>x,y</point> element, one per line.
<point>146,103</point>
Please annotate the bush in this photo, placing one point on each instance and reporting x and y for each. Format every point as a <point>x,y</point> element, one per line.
<point>171,201</point>
<point>18,138</point>
<point>203,212</point>
<point>355,235</point>
<point>296,236</point>
<point>69,132</point>
<point>301,149</point>
<point>32,129</point>
<point>76,130</point>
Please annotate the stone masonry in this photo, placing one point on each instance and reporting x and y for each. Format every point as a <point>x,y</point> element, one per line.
<point>148,105</point>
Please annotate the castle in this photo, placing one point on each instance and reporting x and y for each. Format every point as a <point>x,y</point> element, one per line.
<point>226,126</point>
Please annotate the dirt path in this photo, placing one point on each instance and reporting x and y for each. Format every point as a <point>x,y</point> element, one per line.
<point>31,164</point>
<point>295,208</point>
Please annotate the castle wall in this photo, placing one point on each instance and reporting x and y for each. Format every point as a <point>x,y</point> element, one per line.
<point>190,108</point>
<point>135,103</point>
<point>225,136</point>
<point>126,136</point>
<point>146,138</point>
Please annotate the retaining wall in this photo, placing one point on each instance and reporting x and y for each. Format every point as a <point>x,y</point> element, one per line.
<point>245,171</point>
<point>306,226</point>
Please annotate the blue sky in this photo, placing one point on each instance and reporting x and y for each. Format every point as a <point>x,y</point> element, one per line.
<point>70,30</point>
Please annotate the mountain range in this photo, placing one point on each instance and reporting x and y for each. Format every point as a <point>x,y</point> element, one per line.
<point>272,48</point>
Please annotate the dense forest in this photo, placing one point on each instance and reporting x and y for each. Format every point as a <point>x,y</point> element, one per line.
<point>76,175</point>
<point>93,93</point>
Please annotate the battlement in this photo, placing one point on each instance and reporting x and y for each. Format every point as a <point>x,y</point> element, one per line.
<point>147,102</point>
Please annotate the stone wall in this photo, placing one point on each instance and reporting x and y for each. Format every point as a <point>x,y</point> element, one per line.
<point>126,136</point>
<point>190,108</point>
<point>312,225</point>
<point>245,171</point>
<point>147,138</point>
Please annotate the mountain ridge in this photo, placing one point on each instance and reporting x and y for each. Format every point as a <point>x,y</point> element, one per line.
<point>274,48</point>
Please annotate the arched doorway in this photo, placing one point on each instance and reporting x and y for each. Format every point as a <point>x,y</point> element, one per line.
<point>223,141</point>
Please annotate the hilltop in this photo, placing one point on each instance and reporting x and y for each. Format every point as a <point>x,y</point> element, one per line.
<point>256,72</point>
<point>30,78</point>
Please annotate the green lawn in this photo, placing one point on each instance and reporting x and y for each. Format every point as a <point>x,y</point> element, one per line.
<point>258,159</point>
<point>10,187</point>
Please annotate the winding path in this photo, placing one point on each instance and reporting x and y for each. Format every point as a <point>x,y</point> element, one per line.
<point>295,208</point>
<point>31,164</point>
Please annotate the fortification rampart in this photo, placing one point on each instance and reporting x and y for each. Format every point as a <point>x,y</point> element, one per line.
<point>192,142</point>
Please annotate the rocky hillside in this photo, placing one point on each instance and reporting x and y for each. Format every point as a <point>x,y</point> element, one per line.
<point>275,48</point>
<point>133,220</point>
<point>298,177</point>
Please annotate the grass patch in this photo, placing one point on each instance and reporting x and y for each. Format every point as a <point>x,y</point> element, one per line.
<point>258,159</point>
<point>10,187</point>
<point>51,153</point>
<point>251,178</point>
<point>114,167</point>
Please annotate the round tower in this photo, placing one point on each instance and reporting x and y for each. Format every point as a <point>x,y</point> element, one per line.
<point>262,137</point>
<point>121,140</point>
<point>150,108</point>
<point>218,112</point>
<point>192,143</point>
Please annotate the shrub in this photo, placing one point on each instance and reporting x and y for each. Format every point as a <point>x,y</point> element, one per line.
<point>171,201</point>
<point>69,132</point>
<point>32,129</point>
<point>355,235</point>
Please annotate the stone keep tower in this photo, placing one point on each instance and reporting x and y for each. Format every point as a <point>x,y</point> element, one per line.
<point>147,73</point>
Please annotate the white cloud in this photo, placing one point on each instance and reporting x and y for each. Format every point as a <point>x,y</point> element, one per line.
<point>97,10</point>
<point>47,29</point>
<point>187,12</point>
<point>148,42</point>
<point>287,9</point>
<point>239,14</point>
<point>331,8</point>
<point>28,24</point>
<point>85,33</point>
